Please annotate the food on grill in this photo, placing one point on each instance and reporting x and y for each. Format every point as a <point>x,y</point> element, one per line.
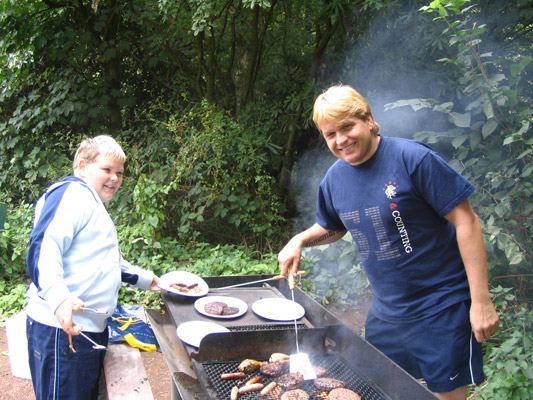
<point>255,379</point>
<point>291,380</point>
<point>328,384</point>
<point>251,388</point>
<point>233,375</point>
<point>268,388</point>
<point>296,394</point>
<point>273,368</point>
<point>279,357</point>
<point>320,371</point>
<point>234,393</point>
<point>230,310</point>
<point>343,394</point>
<point>249,365</point>
<point>215,307</point>
<point>184,288</point>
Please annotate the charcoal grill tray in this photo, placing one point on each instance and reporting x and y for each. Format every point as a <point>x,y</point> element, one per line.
<point>326,333</point>
<point>335,365</point>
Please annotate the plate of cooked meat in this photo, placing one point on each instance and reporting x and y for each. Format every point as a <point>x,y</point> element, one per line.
<point>192,332</point>
<point>220,306</point>
<point>278,309</point>
<point>183,283</point>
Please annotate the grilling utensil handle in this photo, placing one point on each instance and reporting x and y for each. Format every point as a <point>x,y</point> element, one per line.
<point>274,278</point>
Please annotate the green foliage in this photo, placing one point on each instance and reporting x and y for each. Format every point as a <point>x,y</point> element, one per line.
<point>12,298</point>
<point>14,242</point>
<point>334,273</point>
<point>490,136</point>
<point>210,181</point>
<point>509,355</point>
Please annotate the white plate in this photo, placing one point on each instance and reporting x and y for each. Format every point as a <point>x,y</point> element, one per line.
<point>278,309</point>
<point>192,332</point>
<point>186,278</point>
<point>230,301</point>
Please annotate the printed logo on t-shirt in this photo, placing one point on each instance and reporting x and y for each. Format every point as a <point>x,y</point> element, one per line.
<point>390,189</point>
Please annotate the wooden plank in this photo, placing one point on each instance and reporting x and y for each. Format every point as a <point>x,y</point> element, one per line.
<point>125,375</point>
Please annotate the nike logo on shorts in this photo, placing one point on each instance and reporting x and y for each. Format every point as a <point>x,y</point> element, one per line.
<point>453,377</point>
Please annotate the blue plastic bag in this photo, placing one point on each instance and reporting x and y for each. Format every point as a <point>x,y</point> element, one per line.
<point>128,324</point>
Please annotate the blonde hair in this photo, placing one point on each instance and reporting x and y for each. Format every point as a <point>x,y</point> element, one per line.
<point>103,145</point>
<point>340,102</point>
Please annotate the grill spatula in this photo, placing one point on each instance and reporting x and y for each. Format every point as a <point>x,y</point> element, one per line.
<point>299,362</point>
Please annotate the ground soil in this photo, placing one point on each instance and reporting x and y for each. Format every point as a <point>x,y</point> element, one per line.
<point>13,388</point>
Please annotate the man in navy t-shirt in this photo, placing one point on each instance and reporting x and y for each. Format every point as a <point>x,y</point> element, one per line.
<point>418,238</point>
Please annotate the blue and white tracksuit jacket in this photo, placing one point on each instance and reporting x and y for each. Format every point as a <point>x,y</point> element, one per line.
<point>74,252</point>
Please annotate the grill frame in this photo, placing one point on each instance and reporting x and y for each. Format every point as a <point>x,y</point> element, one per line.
<point>324,333</point>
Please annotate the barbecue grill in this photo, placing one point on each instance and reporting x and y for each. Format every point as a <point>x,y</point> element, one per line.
<point>196,372</point>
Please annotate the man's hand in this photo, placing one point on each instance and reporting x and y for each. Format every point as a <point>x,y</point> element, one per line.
<point>289,257</point>
<point>484,320</point>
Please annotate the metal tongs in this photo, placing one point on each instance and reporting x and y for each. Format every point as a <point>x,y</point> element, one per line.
<point>78,329</point>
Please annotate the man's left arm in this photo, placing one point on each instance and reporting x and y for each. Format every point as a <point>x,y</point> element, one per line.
<point>483,316</point>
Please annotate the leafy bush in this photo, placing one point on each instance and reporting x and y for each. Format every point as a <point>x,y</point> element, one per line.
<point>490,136</point>
<point>14,242</point>
<point>508,355</point>
<point>334,273</point>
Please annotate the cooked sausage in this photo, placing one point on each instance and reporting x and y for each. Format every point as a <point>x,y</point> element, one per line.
<point>268,388</point>
<point>234,393</point>
<point>255,379</point>
<point>233,375</point>
<point>251,388</point>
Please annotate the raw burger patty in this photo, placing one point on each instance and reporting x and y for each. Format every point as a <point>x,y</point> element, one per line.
<point>296,394</point>
<point>215,307</point>
<point>320,371</point>
<point>272,368</point>
<point>290,381</point>
<point>343,394</point>
<point>328,384</point>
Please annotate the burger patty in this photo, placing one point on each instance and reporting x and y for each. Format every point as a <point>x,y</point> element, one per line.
<point>343,394</point>
<point>328,384</point>
<point>320,371</point>
<point>215,307</point>
<point>230,310</point>
<point>296,394</point>
<point>272,368</point>
<point>291,380</point>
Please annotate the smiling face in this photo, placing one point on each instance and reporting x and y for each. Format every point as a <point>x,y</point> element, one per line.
<point>104,175</point>
<point>352,139</point>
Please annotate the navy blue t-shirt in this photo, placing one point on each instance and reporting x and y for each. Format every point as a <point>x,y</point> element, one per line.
<point>394,206</point>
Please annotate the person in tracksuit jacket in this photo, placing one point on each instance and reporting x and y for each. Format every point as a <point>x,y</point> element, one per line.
<point>74,260</point>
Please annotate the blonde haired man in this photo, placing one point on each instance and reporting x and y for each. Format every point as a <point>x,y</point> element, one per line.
<point>418,238</point>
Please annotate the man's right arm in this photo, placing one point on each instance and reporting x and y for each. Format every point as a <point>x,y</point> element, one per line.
<point>316,235</point>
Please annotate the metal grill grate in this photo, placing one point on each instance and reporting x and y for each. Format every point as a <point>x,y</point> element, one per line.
<point>335,365</point>
<point>266,327</point>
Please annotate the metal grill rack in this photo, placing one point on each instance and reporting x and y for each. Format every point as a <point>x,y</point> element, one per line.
<point>335,365</point>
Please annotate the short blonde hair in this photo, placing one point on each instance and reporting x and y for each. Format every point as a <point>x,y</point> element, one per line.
<point>90,148</point>
<point>340,102</point>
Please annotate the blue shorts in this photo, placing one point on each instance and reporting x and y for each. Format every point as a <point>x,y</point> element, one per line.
<point>442,348</point>
<point>59,373</point>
